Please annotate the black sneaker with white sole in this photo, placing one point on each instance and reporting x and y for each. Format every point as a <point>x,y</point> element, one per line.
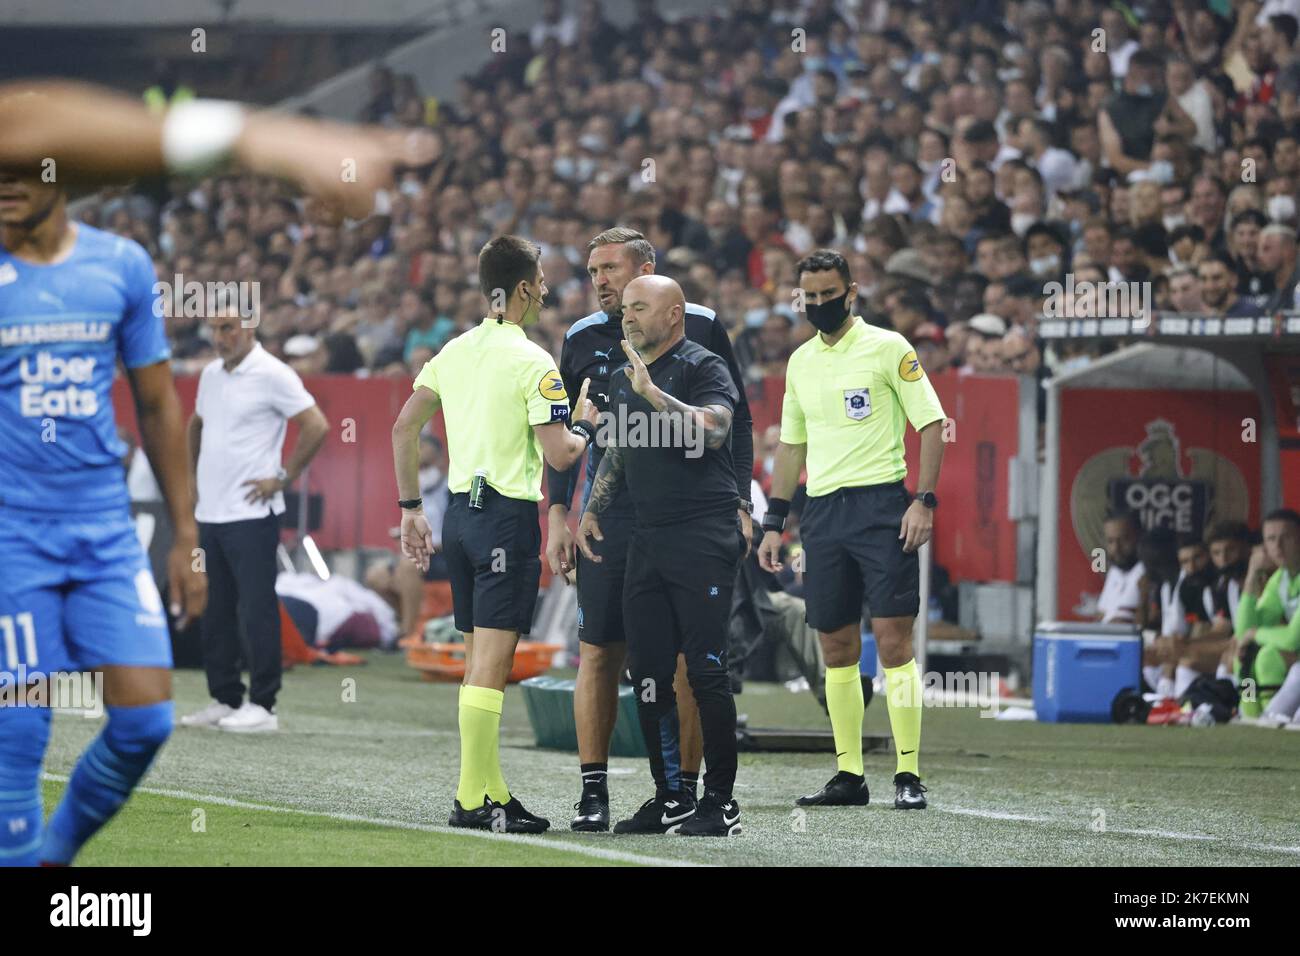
<point>511,817</point>
<point>480,818</point>
<point>842,790</point>
<point>908,792</point>
<point>593,812</point>
<point>715,815</point>
<point>662,813</point>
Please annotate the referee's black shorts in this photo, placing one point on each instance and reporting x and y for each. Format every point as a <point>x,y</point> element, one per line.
<point>852,550</point>
<point>600,584</point>
<point>493,561</point>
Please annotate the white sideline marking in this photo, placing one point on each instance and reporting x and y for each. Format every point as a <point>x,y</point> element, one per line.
<point>524,838</point>
<point>1160,834</point>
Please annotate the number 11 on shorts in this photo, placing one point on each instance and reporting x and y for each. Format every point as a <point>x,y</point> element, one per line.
<point>9,634</point>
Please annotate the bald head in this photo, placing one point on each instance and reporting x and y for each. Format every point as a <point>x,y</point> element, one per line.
<point>1277,250</point>
<point>654,311</point>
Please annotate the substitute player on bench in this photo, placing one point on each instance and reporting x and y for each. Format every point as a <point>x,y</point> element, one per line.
<point>505,407</point>
<point>592,351</point>
<point>685,548</point>
<point>849,393</point>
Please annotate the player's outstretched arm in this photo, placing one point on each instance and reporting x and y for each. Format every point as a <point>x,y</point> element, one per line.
<point>163,437</point>
<point>95,135</point>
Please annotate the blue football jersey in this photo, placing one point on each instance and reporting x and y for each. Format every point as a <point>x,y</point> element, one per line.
<point>62,329</point>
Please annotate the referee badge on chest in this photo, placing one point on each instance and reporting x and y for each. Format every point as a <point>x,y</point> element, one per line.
<point>857,403</point>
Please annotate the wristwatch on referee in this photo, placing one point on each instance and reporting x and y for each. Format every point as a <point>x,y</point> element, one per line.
<point>584,428</point>
<point>928,498</point>
<point>745,505</point>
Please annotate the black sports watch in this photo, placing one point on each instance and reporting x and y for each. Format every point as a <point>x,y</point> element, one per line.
<point>928,498</point>
<point>745,505</point>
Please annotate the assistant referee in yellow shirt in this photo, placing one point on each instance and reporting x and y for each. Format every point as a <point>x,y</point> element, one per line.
<point>505,408</point>
<point>849,393</point>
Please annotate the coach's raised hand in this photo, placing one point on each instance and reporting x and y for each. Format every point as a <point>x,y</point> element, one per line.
<point>637,373</point>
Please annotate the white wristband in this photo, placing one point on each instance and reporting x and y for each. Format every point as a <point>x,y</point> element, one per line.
<point>199,134</point>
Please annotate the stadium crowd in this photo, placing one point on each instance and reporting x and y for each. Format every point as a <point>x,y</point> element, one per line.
<point>962,155</point>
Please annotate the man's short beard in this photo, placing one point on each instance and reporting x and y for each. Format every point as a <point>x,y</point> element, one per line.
<point>36,217</point>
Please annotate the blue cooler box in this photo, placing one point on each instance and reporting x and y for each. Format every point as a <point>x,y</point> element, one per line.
<point>1080,667</point>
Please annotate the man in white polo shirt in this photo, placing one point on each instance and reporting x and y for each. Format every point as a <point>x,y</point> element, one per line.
<point>246,399</point>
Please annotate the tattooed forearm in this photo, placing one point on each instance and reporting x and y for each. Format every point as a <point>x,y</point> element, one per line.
<point>713,420</point>
<point>716,420</point>
<point>608,480</point>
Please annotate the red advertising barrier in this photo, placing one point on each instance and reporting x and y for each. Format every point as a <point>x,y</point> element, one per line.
<point>1180,459</point>
<point>1284,375</point>
<point>353,472</point>
<point>974,539</point>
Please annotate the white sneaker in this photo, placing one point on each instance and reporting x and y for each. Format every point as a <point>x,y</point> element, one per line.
<point>250,719</point>
<point>1273,721</point>
<point>209,716</point>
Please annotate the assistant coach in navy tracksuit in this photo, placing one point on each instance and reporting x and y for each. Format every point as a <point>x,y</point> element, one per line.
<point>674,402</point>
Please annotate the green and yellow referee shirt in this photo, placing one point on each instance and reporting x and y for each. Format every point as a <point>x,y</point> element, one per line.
<point>850,404</point>
<point>495,385</point>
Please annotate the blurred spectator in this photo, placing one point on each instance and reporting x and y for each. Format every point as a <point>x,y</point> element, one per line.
<point>1277,258</point>
<point>1185,291</point>
<point>306,355</point>
<point>1120,594</point>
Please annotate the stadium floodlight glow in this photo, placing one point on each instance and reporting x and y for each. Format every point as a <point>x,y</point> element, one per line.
<point>316,558</point>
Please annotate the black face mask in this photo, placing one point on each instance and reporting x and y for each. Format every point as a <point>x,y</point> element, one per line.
<point>828,316</point>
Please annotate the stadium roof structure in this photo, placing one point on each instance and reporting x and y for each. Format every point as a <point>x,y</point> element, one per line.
<point>1179,362</point>
<point>316,14</point>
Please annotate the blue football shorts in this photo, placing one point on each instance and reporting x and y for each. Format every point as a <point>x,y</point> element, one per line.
<point>76,593</point>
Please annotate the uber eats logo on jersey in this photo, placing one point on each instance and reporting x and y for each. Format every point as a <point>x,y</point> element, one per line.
<point>51,386</point>
<point>909,369</point>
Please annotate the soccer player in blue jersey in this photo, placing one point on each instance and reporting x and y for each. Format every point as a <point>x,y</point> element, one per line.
<point>76,592</point>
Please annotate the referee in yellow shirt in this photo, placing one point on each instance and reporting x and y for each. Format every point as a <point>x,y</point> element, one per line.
<point>505,408</point>
<point>849,393</point>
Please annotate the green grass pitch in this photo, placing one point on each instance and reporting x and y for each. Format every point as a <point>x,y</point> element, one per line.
<point>371,781</point>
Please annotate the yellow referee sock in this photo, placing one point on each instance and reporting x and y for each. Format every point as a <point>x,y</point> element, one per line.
<point>903,693</point>
<point>496,780</point>
<point>480,726</point>
<point>844,702</point>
